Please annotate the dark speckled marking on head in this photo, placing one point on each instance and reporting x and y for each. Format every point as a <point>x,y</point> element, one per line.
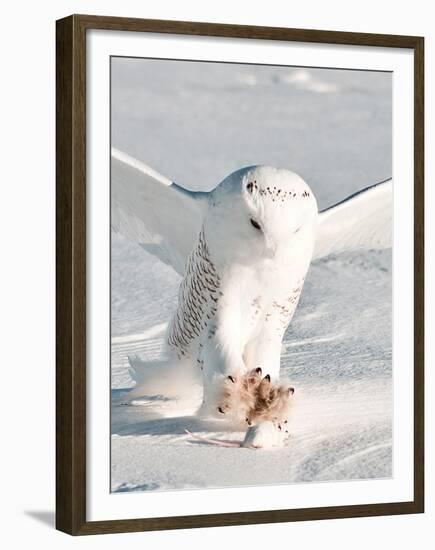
<point>275,193</point>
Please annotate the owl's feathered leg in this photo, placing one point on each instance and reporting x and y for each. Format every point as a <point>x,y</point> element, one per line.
<point>221,357</point>
<point>265,351</point>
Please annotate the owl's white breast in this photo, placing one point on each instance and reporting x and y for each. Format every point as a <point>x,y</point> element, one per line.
<point>265,288</point>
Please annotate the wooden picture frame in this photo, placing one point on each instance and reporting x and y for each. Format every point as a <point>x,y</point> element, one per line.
<point>71,273</point>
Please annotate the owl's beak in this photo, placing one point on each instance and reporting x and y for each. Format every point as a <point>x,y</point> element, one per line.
<point>270,250</point>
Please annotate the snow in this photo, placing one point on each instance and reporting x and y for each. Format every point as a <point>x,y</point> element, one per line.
<point>195,123</point>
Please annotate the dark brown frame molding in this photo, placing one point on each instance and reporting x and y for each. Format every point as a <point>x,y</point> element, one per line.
<point>71,273</point>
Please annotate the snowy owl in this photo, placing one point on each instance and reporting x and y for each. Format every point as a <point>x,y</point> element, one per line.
<point>243,251</point>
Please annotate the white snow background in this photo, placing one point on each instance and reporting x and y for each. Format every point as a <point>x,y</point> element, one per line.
<point>195,123</point>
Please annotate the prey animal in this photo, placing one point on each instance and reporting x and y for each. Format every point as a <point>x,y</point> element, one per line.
<point>243,251</point>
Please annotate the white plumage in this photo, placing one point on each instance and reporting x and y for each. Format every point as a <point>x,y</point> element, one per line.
<point>363,220</point>
<point>150,210</point>
<point>243,251</point>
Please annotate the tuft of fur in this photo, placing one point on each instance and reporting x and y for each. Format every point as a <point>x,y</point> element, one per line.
<point>253,398</point>
<point>272,403</point>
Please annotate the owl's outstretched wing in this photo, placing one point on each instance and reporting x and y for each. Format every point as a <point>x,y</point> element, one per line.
<point>362,221</point>
<point>162,217</point>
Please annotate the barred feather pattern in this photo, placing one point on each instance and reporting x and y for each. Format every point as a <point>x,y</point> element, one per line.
<point>198,297</point>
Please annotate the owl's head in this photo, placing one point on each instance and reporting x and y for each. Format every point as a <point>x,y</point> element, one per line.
<point>261,210</point>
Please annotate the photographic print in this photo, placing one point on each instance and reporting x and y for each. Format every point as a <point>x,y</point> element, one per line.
<point>239,280</point>
<point>251,274</point>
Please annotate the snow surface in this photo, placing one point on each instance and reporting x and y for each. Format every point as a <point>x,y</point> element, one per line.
<point>195,123</point>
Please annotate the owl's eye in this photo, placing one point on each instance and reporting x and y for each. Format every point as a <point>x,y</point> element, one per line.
<point>255,224</point>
